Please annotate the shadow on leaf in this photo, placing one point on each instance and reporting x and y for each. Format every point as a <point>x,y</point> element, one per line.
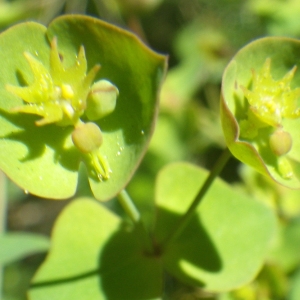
<point>127,270</point>
<point>193,245</point>
<point>129,267</point>
<point>37,138</point>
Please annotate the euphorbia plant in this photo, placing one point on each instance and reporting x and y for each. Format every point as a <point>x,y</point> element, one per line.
<point>59,108</point>
<point>47,76</point>
<point>260,108</point>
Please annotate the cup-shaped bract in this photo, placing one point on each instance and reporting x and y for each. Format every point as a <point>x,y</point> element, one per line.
<point>260,108</point>
<point>53,82</point>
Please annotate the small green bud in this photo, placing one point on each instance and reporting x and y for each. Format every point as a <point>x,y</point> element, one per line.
<point>101,100</point>
<point>87,137</point>
<point>280,142</point>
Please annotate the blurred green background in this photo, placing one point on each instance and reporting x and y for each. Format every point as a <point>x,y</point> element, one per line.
<point>200,37</point>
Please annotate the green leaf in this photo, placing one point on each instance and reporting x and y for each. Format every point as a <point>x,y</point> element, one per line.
<point>95,256</point>
<point>225,243</point>
<point>14,246</point>
<point>43,159</point>
<point>235,109</point>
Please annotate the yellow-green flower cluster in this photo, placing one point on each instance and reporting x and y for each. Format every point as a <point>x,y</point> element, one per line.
<point>270,102</point>
<point>63,95</point>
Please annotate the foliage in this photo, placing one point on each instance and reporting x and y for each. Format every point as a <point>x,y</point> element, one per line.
<point>125,132</point>
<point>263,132</point>
<point>79,101</point>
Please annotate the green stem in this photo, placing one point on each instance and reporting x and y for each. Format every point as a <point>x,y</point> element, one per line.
<point>128,206</point>
<point>131,210</point>
<point>218,167</point>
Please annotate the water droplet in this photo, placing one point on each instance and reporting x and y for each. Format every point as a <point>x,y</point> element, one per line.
<point>41,177</point>
<point>36,53</point>
<point>26,192</point>
<point>118,153</point>
<point>142,132</point>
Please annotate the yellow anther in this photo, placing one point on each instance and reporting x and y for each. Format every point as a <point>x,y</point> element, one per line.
<point>67,91</point>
